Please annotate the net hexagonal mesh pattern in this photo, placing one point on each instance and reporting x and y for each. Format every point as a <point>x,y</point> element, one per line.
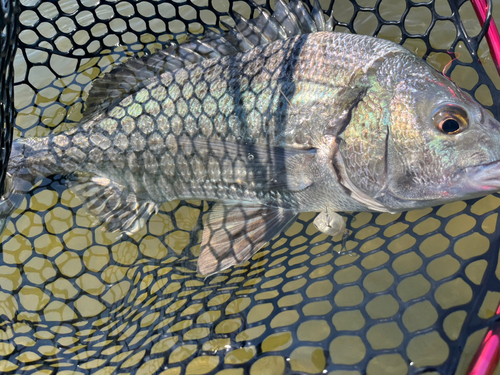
<point>413,293</point>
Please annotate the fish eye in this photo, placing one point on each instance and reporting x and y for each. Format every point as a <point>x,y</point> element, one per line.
<point>450,119</point>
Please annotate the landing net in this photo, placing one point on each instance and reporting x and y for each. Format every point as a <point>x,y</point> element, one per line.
<point>416,293</point>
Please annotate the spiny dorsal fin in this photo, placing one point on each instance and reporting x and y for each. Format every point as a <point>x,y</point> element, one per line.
<point>286,21</point>
<point>303,15</point>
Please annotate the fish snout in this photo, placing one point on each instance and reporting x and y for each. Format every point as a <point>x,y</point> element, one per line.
<point>482,179</point>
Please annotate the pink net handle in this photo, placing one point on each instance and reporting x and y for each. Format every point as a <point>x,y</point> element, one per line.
<point>488,354</point>
<point>492,36</point>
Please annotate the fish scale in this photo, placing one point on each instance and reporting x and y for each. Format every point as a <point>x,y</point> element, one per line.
<point>237,99</point>
<point>323,122</point>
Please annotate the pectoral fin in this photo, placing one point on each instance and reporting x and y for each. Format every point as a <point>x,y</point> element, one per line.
<point>330,223</point>
<point>232,234</point>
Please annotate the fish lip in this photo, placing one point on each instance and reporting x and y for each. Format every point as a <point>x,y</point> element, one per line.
<point>483,177</point>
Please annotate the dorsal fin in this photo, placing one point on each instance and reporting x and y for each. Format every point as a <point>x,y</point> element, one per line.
<point>287,20</point>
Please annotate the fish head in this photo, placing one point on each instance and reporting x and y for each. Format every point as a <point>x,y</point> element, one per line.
<point>440,144</point>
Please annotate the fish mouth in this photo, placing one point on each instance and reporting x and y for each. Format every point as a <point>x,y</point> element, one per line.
<point>482,179</point>
<point>467,183</point>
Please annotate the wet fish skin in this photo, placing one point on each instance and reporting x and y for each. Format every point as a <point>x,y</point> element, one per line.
<point>324,120</point>
<point>215,130</point>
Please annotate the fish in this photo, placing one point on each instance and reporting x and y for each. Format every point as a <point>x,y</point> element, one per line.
<point>277,116</point>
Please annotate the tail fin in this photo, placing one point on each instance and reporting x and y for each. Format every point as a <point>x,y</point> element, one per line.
<point>29,158</point>
<point>11,199</point>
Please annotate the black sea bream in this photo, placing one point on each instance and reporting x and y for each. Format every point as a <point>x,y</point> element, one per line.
<point>278,116</point>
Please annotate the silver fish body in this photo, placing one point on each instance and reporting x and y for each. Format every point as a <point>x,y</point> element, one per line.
<point>256,127</point>
<point>324,122</point>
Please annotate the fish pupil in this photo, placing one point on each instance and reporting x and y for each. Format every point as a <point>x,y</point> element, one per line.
<point>450,126</point>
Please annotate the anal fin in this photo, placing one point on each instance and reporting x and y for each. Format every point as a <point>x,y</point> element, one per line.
<point>112,203</point>
<point>232,234</point>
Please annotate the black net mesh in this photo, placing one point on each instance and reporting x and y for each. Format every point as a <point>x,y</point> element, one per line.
<point>413,294</point>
